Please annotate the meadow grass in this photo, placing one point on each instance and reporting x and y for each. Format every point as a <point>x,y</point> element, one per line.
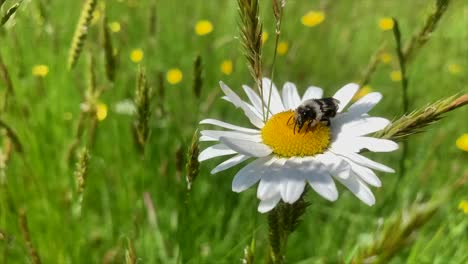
<point>135,204</point>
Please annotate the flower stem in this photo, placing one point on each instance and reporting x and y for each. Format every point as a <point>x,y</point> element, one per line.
<point>282,221</point>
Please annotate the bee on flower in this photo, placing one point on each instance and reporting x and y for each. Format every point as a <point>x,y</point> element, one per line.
<point>284,159</point>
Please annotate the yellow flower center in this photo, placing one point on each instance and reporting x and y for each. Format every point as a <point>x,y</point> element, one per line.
<point>278,133</point>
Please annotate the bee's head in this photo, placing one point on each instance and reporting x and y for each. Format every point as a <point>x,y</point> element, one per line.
<point>300,116</point>
<point>336,103</point>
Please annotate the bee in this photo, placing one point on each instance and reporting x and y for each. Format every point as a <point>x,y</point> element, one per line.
<point>312,111</point>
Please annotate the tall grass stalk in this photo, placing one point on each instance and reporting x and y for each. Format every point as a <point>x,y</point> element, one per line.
<point>5,77</point>
<point>420,38</point>
<point>81,174</point>
<point>192,166</point>
<point>111,60</point>
<point>400,230</point>
<point>143,105</point>
<point>404,54</point>
<point>278,6</point>
<point>404,90</point>
<point>130,255</point>
<point>371,66</point>
<point>10,12</point>
<point>32,252</point>
<point>81,32</point>
<point>416,121</point>
<point>11,135</point>
<point>197,77</point>
<point>251,39</point>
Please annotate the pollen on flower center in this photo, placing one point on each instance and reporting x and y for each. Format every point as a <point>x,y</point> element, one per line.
<point>278,133</point>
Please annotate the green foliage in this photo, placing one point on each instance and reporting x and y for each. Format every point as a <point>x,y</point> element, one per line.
<point>137,209</point>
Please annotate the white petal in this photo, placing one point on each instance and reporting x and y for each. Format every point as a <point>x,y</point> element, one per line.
<point>266,205</point>
<point>229,163</point>
<point>249,175</point>
<point>360,127</point>
<point>276,105</point>
<point>214,135</point>
<point>359,189</point>
<point>312,93</point>
<point>365,104</point>
<point>293,186</point>
<point>254,98</point>
<point>334,164</point>
<point>270,183</point>
<point>345,94</point>
<point>215,151</point>
<point>359,159</point>
<point>229,126</point>
<point>344,143</point>
<point>321,181</point>
<point>364,173</point>
<point>235,99</point>
<point>268,187</point>
<point>376,144</point>
<point>291,97</point>
<point>246,147</point>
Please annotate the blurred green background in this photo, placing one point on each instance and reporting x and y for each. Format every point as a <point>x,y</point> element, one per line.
<point>211,224</point>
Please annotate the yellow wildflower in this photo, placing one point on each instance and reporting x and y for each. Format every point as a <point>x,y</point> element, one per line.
<point>395,76</point>
<point>40,70</point>
<point>463,205</point>
<point>313,18</point>
<point>136,55</point>
<point>362,92</point>
<point>462,142</point>
<point>174,76</point>
<point>203,27</point>
<point>386,23</point>
<point>386,57</point>
<point>101,111</point>
<point>114,26</point>
<point>264,37</point>
<point>282,48</point>
<point>226,67</point>
<point>454,68</point>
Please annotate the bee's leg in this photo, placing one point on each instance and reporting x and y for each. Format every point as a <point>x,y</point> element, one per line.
<point>289,120</point>
<point>311,125</point>
<point>294,129</point>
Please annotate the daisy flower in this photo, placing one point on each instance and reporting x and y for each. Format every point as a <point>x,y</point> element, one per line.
<point>283,161</point>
